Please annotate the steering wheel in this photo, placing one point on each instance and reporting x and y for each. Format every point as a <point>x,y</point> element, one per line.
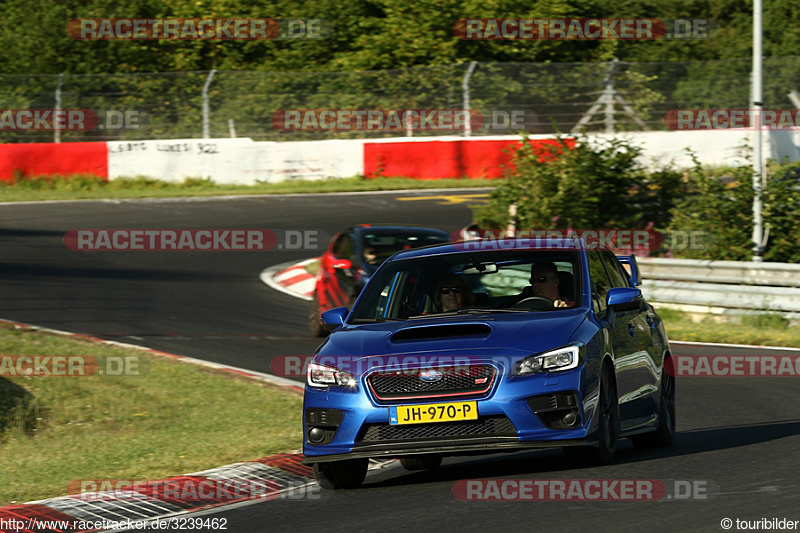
<point>535,302</point>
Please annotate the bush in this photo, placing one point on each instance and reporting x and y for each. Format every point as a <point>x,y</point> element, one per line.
<point>718,203</point>
<point>725,212</point>
<point>782,214</point>
<point>591,184</point>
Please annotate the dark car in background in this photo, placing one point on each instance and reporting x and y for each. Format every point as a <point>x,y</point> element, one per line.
<point>352,257</point>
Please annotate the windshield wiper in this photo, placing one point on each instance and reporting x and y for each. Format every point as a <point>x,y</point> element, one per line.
<point>471,311</point>
<point>374,320</point>
<point>481,310</point>
<point>434,315</point>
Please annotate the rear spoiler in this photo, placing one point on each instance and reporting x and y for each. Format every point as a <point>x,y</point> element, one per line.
<point>629,262</point>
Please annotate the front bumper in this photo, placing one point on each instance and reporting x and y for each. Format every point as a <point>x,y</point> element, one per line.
<point>465,447</point>
<point>519,427</point>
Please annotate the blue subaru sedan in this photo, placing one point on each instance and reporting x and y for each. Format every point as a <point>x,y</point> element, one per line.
<point>487,346</point>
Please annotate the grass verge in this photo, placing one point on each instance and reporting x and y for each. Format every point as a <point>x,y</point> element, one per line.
<point>92,187</point>
<point>765,329</point>
<point>174,419</point>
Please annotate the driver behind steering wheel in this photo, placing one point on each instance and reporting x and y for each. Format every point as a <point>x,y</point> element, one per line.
<point>544,284</point>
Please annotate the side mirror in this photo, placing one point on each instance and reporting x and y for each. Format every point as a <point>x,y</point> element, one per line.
<point>342,264</point>
<point>624,298</point>
<point>333,318</point>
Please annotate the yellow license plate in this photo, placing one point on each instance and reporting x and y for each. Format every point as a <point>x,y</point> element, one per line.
<point>433,412</point>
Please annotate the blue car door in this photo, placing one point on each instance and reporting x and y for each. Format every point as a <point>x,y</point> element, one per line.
<point>622,337</point>
<point>638,368</point>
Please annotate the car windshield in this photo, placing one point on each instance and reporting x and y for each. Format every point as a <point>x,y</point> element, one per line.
<point>472,282</point>
<point>379,245</point>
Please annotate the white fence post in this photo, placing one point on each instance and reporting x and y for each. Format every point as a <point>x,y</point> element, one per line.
<point>206,106</point>
<point>465,89</point>
<point>56,129</point>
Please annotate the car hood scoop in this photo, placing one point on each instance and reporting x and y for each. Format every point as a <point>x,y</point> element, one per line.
<point>442,331</point>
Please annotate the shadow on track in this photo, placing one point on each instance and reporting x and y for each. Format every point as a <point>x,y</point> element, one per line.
<point>552,460</point>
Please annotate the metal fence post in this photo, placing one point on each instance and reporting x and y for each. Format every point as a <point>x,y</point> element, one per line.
<point>757,105</point>
<point>465,88</point>
<point>794,96</point>
<point>206,107</point>
<point>608,96</point>
<point>605,100</point>
<point>56,129</point>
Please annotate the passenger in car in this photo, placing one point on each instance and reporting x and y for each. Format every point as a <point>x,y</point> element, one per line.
<point>371,255</point>
<point>545,282</point>
<point>452,293</point>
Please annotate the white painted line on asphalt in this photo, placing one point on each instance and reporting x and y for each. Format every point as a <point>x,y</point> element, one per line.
<point>290,273</point>
<point>267,278</point>
<point>306,286</point>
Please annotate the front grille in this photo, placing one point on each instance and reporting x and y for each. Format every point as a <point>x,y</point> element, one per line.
<point>467,380</point>
<point>489,426</point>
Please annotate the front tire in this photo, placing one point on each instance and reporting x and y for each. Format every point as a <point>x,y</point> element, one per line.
<point>607,427</point>
<point>665,434</point>
<point>347,474</point>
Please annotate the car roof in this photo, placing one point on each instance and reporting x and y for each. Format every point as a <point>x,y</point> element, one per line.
<point>386,229</point>
<point>487,246</point>
<point>392,228</point>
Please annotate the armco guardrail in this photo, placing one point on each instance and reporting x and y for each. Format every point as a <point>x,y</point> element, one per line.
<point>729,285</point>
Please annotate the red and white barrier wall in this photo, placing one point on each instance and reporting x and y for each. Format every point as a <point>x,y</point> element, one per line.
<point>244,161</point>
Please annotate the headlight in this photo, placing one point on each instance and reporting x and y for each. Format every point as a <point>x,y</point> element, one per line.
<point>553,361</point>
<point>320,375</point>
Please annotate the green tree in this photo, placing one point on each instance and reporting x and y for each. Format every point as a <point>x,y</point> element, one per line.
<point>373,34</point>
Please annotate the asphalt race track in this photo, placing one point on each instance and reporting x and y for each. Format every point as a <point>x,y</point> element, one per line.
<point>738,437</point>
